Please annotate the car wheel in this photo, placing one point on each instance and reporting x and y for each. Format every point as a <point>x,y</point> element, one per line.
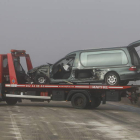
<point>112,79</point>
<point>41,79</point>
<point>79,101</point>
<point>11,101</point>
<point>124,82</point>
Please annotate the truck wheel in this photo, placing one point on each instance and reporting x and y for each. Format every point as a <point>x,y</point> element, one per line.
<point>79,101</point>
<point>91,104</point>
<point>95,102</point>
<point>11,101</point>
<point>41,79</point>
<point>112,79</point>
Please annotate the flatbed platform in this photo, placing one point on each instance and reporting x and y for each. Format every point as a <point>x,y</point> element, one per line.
<point>69,86</point>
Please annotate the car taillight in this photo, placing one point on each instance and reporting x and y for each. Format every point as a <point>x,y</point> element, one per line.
<point>133,68</point>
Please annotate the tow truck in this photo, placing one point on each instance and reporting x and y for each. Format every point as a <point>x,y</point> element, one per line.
<point>15,85</point>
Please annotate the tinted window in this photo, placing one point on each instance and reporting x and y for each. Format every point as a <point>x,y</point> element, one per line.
<point>134,57</point>
<point>103,58</point>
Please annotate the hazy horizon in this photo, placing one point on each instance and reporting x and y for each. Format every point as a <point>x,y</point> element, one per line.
<point>48,30</point>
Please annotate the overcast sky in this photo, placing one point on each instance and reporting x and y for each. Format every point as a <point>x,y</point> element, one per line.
<point>49,29</point>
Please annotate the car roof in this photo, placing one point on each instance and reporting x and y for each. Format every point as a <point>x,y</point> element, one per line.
<point>134,44</point>
<point>131,45</point>
<point>91,49</point>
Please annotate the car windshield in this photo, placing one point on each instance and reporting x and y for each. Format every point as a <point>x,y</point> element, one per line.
<point>65,61</point>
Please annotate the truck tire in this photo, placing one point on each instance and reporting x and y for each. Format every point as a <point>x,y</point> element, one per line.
<point>95,102</point>
<point>11,101</point>
<point>91,104</point>
<point>79,101</point>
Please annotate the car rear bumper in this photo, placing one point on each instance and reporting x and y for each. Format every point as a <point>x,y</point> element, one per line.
<point>130,76</point>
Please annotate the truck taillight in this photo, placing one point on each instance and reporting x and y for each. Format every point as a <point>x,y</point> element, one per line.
<point>133,68</point>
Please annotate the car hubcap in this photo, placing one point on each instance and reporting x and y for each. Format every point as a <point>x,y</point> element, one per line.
<point>112,79</point>
<point>41,80</point>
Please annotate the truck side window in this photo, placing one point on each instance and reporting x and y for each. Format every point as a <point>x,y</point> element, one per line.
<point>5,63</point>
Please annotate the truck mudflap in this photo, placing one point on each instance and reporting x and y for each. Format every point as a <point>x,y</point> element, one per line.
<point>133,96</point>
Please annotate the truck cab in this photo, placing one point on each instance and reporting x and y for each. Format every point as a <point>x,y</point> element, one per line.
<point>11,70</point>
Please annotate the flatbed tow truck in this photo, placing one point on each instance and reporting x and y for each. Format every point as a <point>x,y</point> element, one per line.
<point>12,90</point>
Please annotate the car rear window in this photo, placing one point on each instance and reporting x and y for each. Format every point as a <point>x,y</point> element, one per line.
<point>103,58</point>
<point>134,57</point>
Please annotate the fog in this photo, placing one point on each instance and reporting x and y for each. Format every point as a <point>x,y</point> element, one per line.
<point>48,30</point>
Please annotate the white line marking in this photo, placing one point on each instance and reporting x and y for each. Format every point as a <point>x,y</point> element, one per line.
<point>82,86</point>
<point>115,87</point>
<point>51,86</point>
<point>7,85</point>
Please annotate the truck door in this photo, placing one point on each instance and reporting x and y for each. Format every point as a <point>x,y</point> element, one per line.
<point>20,73</point>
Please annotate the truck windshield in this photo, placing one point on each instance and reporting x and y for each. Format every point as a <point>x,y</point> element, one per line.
<point>18,67</point>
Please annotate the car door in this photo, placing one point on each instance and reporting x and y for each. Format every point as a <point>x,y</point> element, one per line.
<point>61,70</point>
<point>134,50</point>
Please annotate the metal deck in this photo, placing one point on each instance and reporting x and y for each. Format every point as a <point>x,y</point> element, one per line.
<point>67,86</point>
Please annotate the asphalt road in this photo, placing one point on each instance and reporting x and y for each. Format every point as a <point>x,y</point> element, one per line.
<point>59,121</point>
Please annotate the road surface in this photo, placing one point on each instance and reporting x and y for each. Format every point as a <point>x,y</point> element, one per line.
<point>59,121</point>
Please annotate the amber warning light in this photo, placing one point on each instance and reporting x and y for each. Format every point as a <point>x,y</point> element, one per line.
<point>18,51</point>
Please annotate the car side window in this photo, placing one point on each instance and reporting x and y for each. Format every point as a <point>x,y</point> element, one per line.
<point>103,58</point>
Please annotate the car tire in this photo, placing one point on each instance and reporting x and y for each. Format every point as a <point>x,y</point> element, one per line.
<point>124,82</point>
<point>11,101</point>
<point>112,79</point>
<point>41,79</point>
<point>79,101</point>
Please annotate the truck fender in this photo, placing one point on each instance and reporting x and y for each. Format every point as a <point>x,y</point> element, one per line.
<point>72,92</point>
